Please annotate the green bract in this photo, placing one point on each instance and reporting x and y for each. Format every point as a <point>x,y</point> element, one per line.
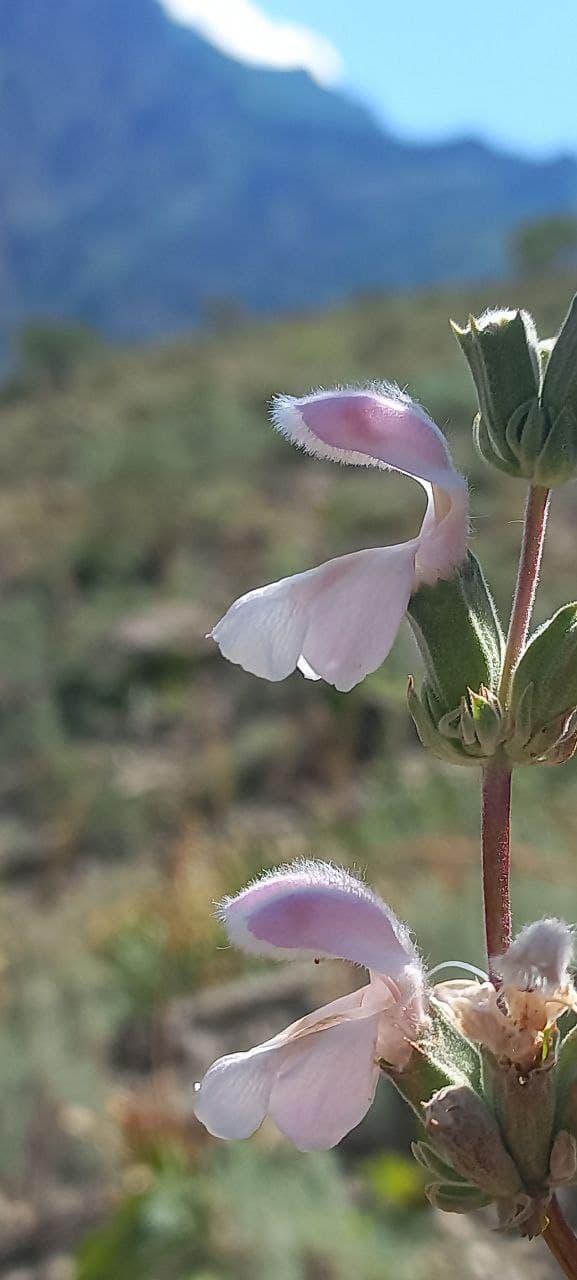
<point>527,394</point>
<point>491,1133</point>
<point>543,716</point>
<point>458,632</point>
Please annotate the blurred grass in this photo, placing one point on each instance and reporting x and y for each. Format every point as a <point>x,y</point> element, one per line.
<point>141,776</point>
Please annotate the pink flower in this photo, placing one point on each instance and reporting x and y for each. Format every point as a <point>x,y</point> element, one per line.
<point>317,1079</point>
<point>338,622</point>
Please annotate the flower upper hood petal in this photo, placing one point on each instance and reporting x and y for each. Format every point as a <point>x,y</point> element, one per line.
<point>314,909</point>
<point>378,426</point>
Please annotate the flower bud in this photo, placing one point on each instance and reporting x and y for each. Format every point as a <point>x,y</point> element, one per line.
<point>527,394</point>
<point>502,351</point>
<point>467,1136</point>
<point>478,723</point>
<point>543,713</point>
<point>457,715</point>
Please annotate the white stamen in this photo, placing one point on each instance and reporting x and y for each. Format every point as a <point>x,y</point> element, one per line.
<point>459,964</point>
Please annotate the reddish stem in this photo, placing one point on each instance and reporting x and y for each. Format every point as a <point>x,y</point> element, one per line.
<point>560,1240</point>
<point>534,528</point>
<point>496,775</point>
<point>495,845</point>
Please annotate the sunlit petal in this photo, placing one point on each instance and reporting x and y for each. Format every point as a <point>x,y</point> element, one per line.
<point>314,909</point>
<point>381,426</point>
<point>233,1098</point>
<point>316,1079</point>
<point>378,426</point>
<point>326,1084</point>
<point>338,621</point>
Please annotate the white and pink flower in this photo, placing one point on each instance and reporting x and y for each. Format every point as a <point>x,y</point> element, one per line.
<point>317,1079</point>
<point>338,622</point>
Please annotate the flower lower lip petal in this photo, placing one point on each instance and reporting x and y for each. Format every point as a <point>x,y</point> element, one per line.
<point>337,622</point>
<point>315,1081</point>
<point>232,1099</point>
<point>323,1092</point>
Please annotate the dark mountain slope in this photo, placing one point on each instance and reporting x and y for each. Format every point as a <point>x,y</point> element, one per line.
<point>145,175</point>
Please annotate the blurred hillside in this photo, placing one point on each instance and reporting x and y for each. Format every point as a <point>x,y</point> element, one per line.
<point>141,776</point>
<point>145,491</point>
<point>146,179</point>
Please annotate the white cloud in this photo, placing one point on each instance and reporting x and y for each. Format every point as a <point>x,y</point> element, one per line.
<point>242,30</point>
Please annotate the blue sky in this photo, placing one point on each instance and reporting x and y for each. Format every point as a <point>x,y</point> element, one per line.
<point>504,70</point>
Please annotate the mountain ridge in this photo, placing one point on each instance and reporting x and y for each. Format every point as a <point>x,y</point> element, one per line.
<point>146,176</point>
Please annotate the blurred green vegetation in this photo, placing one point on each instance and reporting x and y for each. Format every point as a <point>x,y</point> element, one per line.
<point>141,776</point>
<point>545,244</point>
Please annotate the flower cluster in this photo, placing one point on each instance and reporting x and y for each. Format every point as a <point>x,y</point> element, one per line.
<point>316,1080</point>
<point>481,1060</point>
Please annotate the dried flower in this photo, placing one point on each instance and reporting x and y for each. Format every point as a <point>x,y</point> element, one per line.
<point>536,990</point>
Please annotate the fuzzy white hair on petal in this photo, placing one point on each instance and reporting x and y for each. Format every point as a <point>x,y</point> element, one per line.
<point>307,872</point>
<point>538,958</point>
<point>288,420</point>
<point>308,877</point>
